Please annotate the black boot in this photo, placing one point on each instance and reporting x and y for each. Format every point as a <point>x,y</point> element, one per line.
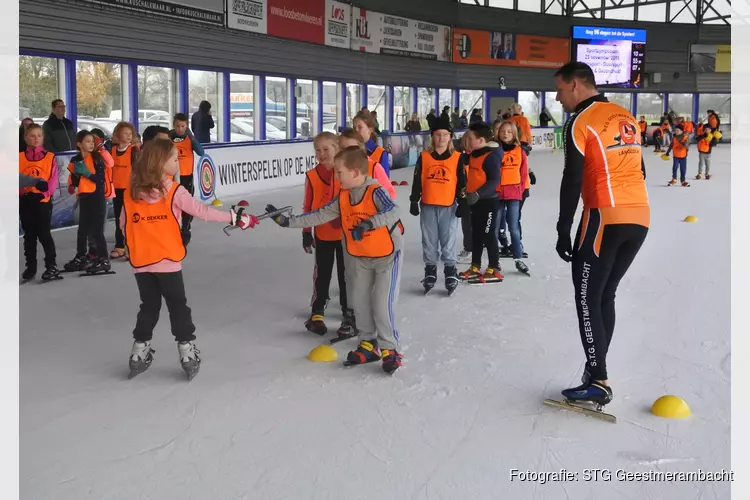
<point>430,278</point>
<point>28,274</point>
<point>451,278</point>
<point>348,328</point>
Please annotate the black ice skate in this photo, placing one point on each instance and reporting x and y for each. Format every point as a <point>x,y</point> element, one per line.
<point>78,264</point>
<point>98,267</point>
<point>522,267</point>
<point>28,274</point>
<point>316,324</point>
<point>451,279</point>
<point>367,352</point>
<point>348,328</point>
<point>189,359</point>
<point>52,273</point>
<point>430,278</point>
<point>141,357</point>
<point>391,361</point>
<point>589,399</point>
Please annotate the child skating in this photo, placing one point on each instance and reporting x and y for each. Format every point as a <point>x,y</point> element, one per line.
<point>706,144</point>
<point>373,237</point>
<point>439,179</point>
<point>679,148</point>
<point>150,220</point>
<point>124,154</point>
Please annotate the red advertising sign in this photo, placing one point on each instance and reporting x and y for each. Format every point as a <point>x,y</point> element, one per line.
<point>302,20</point>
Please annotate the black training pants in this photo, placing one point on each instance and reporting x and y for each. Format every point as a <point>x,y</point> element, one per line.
<point>187,182</point>
<point>117,205</point>
<point>598,267</point>
<point>325,252</point>
<point>465,211</point>
<point>154,286</point>
<point>92,215</point>
<point>36,220</point>
<point>484,234</point>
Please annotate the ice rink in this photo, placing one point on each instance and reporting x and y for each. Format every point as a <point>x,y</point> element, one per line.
<point>261,422</point>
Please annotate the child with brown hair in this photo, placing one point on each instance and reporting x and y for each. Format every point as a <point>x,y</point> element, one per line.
<point>365,125</point>
<point>124,154</point>
<point>373,239</point>
<point>321,187</point>
<point>152,207</point>
<point>187,147</point>
<point>35,203</point>
<point>351,137</point>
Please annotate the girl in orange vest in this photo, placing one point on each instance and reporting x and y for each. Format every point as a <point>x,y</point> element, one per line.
<point>679,146</point>
<point>152,207</point>
<point>706,144</point>
<point>373,239</point>
<point>91,174</point>
<point>439,179</point>
<point>514,175</point>
<point>124,155</point>
<point>365,126</point>
<point>376,171</point>
<point>464,211</point>
<point>35,203</point>
<point>321,187</point>
<point>643,125</point>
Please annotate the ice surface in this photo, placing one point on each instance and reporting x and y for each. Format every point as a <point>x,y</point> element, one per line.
<point>262,422</point>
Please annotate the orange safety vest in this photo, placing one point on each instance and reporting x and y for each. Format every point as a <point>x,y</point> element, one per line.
<point>41,169</point>
<point>713,122</point>
<point>86,186</point>
<point>439,179</point>
<point>376,154</point>
<point>371,166</point>
<point>320,197</point>
<point>152,232</point>
<point>689,127</point>
<point>476,178</point>
<point>704,145</point>
<point>122,168</point>
<point>643,125</point>
<point>699,130</point>
<point>510,171</point>
<point>679,146</point>
<point>185,154</point>
<point>524,127</point>
<point>374,244</point>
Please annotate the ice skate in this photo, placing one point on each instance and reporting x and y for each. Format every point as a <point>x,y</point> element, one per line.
<point>316,324</point>
<point>28,274</point>
<point>699,177</point>
<point>98,267</point>
<point>141,357</point>
<point>430,278</point>
<point>451,279</point>
<point>366,352</point>
<point>348,328</point>
<point>117,253</point>
<point>491,275</point>
<point>78,264</point>
<point>522,267</point>
<point>505,253</point>
<point>590,398</point>
<point>52,273</point>
<point>189,359</point>
<point>391,360</point>
<point>464,257</point>
<point>672,182</point>
<point>685,184</point>
<point>471,273</point>
<point>708,176</point>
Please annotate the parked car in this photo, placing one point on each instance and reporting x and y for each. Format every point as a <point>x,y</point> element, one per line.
<point>107,126</point>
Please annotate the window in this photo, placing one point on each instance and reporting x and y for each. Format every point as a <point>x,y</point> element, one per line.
<point>425,104</point>
<point>530,5</point>
<point>157,97</point>
<point>468,100</point>
<point>624,13</point>
<point>353,101</point>
<point>652,12</point>
<point>242,107</point>
<point>682,105</point>
<point>331,106</point>
<point>402,104</point>
<point>38,87</point>
<point>683,11</point>
<point>307,108</point>
<point>503,4</point>
<point>377,103</point>
<point>651,106</point>
<point>553,7</point>
<point>98,95</point>
<point>623,99</point>
<point>720,103</point>
<point>204,86</point>
<point>445,97</point>
<point>529,101</point>
<point>554,108</point>
<point>277,100</point>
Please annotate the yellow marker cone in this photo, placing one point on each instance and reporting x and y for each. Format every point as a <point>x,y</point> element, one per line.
<point>691,218</point>
<point>670,407</point>
<point>665,157</point>
<point>217,203</point>
<point>323,354</point>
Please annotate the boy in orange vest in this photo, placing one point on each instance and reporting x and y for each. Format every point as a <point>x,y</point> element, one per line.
<point>321,187</point>
<point>372,235</point>
<point>679,146</point>
<point>187,148</point>
<point>706,143</point>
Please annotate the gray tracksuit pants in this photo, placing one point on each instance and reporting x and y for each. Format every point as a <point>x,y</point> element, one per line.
<point>439,229</point>
<point>704,159</point>
<point>372,289</point>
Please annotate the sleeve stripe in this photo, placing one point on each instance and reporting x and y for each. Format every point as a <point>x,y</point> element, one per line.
<point>384,200</point>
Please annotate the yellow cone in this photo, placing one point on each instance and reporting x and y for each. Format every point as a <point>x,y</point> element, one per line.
<point>691,218</point>
<point>670,407</point>
<point>323,354</point>
<point>665,157</point>
<point>217,203</point>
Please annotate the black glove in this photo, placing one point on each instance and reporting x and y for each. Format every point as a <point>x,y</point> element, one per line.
<point>564,247</point>
<point>472,198</point>
<point>532,178</point>
<point>459,209</point>
<point>281,219</point>
<point>526,147</point>
<point>308,242</point>
<point>41,185</point>
<point>414,208</point>
<point>360,229</point>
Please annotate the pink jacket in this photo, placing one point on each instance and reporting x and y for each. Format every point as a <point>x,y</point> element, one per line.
<point>183,202</point>
<point>515,191</point>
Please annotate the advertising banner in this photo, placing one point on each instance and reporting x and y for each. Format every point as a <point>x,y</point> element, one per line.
<point>399,36</point>
<point>297,19</point>
<point>181,10</point>
<point>338,23</point>
<point>248,15</point>
<point>508,49</point>
<point>710,58</point>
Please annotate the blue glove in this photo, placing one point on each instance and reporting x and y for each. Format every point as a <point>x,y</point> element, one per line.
<point>360,229</point>
<point>81,169</point>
